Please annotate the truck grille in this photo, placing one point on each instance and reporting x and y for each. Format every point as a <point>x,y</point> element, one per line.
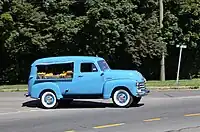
<point>140,85</point>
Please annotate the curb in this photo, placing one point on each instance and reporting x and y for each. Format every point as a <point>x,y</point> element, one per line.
<point>167,88</point>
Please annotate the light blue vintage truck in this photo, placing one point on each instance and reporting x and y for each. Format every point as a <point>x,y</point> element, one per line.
<point>52,79</point>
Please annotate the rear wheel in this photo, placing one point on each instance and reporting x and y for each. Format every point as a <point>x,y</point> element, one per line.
<point>48,100</point>
<point>122,98</point>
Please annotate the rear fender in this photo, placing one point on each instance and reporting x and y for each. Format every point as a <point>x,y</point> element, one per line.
<point>37,89</point>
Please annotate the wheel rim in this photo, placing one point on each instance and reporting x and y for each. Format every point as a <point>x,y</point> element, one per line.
<point>48,100</point>
<point>121,97</point>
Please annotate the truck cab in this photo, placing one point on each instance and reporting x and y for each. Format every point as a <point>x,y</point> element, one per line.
<point>83,77</point>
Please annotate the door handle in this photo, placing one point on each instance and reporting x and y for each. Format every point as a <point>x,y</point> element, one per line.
<point>80,76</point>
<point>101,74</point>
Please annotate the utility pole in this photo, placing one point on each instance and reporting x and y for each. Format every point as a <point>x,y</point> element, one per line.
<point>179,61</point>
<point>162,63</point>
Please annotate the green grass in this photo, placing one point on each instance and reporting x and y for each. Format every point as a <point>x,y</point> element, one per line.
<point>13,88</point>
<point>193,82</point>
<point>168,84</point>
<point>171,84</point>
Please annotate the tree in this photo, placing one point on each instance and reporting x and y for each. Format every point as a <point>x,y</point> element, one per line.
<point>122,31</point>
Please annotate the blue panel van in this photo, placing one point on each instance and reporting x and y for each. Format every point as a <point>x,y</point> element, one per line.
<point>83,77</point>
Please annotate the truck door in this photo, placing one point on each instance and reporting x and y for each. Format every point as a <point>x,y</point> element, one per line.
<point>89,79</point>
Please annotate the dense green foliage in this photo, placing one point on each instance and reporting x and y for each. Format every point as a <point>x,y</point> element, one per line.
<point>124,32</point>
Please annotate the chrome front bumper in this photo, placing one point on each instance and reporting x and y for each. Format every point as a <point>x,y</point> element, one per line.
<point>26,95</point>
<point>142,92</point>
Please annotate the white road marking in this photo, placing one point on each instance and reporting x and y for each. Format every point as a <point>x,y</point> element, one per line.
<point>47,110</point>
<point>10,113</point>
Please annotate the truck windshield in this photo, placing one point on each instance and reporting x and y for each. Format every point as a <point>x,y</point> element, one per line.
<point>103,65</point>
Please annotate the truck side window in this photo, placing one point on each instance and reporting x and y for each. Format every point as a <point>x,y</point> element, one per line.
<point>88,67</point>
<point>55,71</point>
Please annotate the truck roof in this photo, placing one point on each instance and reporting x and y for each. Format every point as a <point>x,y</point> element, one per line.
<point>60,59</point>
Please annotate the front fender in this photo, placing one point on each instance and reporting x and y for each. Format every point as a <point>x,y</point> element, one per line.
<point>38,88</point>
<point>109,86</point>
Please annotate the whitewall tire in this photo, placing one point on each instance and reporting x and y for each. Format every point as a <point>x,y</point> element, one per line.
<point>48,100</point>
<point>122,98</point>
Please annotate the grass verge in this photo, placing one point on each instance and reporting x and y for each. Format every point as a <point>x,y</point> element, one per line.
<point>154,85</point>
<point>13,88</point>
<point>171,84</point>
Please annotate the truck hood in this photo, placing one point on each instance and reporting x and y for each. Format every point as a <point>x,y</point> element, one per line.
<point>124,74</point>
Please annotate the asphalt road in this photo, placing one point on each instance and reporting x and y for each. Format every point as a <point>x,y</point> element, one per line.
<point>158,112</point>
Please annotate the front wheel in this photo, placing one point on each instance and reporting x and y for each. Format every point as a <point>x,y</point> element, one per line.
<point>122,98</point>
<point>48,100</point>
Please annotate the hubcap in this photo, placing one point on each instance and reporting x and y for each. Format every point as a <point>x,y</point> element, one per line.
<point>49,99</point>
<point>122,97</point>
